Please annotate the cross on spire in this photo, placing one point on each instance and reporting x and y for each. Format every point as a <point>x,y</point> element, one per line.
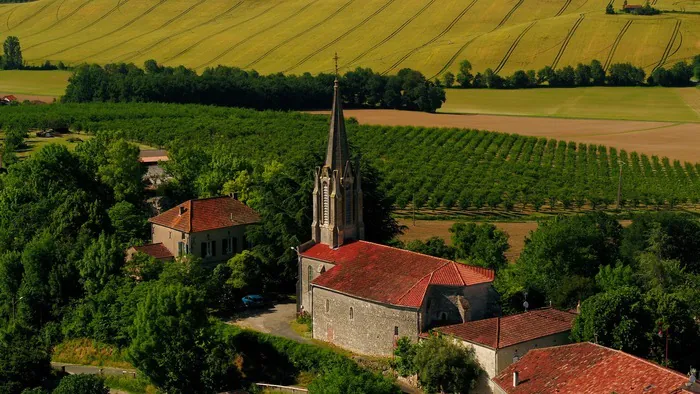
<point>335,58</point>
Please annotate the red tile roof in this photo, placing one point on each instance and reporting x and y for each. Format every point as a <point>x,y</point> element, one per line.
<point>158,251</point>
<point>207,214</point>
<point>514,329</point>
<point>390,275</point>
<point>10,98</point>
<point>584,368</point>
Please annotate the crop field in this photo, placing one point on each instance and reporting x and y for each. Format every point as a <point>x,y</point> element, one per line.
<point>34,83</point>
<point>296,36</point>
<point>638,103</point>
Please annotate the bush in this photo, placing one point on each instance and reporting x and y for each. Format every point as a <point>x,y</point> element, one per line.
<point>81,384</point>
<point>445,367</point>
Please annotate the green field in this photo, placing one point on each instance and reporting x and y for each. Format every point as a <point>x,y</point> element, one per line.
<point>387,35</point>
<point>34,83</point>
<point>638,103</point>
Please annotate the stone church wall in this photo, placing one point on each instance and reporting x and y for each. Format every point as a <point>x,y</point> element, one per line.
<point>371,328</point>
<point>305,289</point>
<point>445,305</point>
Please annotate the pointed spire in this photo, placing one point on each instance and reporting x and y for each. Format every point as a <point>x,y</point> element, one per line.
<point>337,153</point>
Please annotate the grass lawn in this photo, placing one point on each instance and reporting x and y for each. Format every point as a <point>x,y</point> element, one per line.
<point>637,103</point>
<point>34,83</point>
<point>35,143</point>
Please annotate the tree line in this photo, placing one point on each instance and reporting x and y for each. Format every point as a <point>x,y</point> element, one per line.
<point>425,168</point>
<point>234,87</point>
<point>12,57</point>
<point>594,74</point>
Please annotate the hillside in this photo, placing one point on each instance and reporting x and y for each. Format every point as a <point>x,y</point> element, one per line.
<point>302,35</point>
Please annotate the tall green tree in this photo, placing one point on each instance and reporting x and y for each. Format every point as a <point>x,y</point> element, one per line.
<point>448,79</point>
<point>122,171</point>
<point>464,76</point>
<point>480,244</point>
<point>445,367</point>
<point>81,384</point>
<point>12,58</point>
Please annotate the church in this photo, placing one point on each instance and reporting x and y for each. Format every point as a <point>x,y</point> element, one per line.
<point>364,296</point>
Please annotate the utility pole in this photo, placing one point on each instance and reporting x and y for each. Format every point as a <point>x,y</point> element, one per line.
<point>619,186</point>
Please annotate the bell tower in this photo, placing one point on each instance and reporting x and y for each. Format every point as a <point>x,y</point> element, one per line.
<point>337,195</point>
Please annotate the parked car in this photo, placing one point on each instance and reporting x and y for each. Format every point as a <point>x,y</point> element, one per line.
<point>253,300</point>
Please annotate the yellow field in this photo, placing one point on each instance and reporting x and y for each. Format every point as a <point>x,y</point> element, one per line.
<point>295,36</point>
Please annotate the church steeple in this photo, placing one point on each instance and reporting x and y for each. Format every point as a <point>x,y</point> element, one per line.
<point>337,195</point>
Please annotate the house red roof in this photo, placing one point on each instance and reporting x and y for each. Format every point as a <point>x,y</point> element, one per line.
<point>390,275</point>
<point>514,329</point>
<point>158,251</point>
<point>149,156</point>
<point>207,214</point>
<point>10,98</point>
<point>583,368</point>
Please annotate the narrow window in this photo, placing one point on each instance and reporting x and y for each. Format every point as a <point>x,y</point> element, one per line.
<point>204,250</point>
<point>396,331</point>
<point>234,245</point>
<point>351,314</point>
<point>326,204</point>
<point>443,316</point>
<point>180,248</point>
<point>213,248</point>
<point>311,277</point>
<point>182,236</point>
<point>170,235</point>
<point>328,306</point>
<point>225,247</point>
<point>348,205</point>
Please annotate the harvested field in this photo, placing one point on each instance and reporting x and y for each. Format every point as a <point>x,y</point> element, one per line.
<point>679,141</point>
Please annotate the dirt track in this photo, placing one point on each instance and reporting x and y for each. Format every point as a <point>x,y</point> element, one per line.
<point>675,140</point>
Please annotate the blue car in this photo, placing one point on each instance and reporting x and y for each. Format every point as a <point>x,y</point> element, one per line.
<point>253,300</point>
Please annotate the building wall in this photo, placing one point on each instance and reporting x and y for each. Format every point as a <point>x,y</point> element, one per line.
<point>371,329</point>
<point>505,355</point>
<point>455,304</point>
<point>486,357</point>
<point>305,289</point>
<point>170,238</point>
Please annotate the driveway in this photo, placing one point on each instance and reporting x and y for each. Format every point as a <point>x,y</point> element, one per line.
<point>273,320</point>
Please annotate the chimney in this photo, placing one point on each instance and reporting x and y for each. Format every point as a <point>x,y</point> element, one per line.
<point>516,378</point>
<point>181,210</point>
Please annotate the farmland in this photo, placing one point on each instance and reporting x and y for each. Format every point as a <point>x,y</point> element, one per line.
<point>430,168</point>
<point>47,84</point>
<point>301,35</point>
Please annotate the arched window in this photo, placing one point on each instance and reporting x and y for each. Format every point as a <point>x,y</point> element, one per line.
<point>311,277</point>
<point>326,204</point>
<point>348,205</point>
<point>351,314</point>
<point>443,316</point>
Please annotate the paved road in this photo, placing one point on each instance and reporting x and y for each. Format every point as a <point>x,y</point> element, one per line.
<point>274,320</point>
<point>92,370</point>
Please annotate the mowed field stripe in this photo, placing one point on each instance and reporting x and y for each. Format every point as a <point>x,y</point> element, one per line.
<point>455,56</point>
<point>611,54</point>
<point>40,10</point>
<point>567,39</point>
<point>669,45</point>
<point>122,27</point>
<point>340,37</point>
<point>89,25</point>
<point>390,36</point>
<point>512,48</point>
<point>509,14</point>
<point>294,37</point>
<point>243,41</point>
<point>432,40</point>
<point>167,23</point>
<point>162,40</point>
<point>59,20</point>
<point>563,8</point>
<point>189,48</point>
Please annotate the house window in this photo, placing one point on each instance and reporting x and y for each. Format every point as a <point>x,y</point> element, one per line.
<point>351,314</point>
<point>396,331</point>
<point>443,316</point>
<point>328,306</point>
<point>182,235</point>
<point>180,248</point>
<point>208,249</point>
<point>170,235</point>
<point>229,245</point>
<point>348,205</point>
<point>233,243</point>
<point>326,204</point>
<point>311,277</point>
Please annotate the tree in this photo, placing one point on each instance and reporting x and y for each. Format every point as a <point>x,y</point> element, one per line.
<point>24,360</point>
<point>464,76</point>
<point>12,58</point>
<point>433,246</point>
<point>448,79</point>
<point>11,271</point>
<point>582,75</point>
<point>609,9</point>
<point>625,74</point>
<point>404,355</point>
<point>169,325</point>
<point>128,222</point>
<point>445,367</point>
<point>102,260</point>
<point>597,73</point>
<point>560,261</point>
<point>480,244</point>
<point>545,74</point>
<point>519,80</point>
<point>81,384</point>
<point>615,319</point>
<point>122,171</point>
<point>246,272</point>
